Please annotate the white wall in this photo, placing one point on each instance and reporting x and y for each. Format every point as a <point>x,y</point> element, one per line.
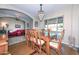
<point>75,24</point>
<point>11,22</point>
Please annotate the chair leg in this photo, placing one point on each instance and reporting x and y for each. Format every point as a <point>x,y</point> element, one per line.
<point>30,43</point>
<point>40,50</point>
<point>49,51</point>
<point>27,43</point>
<point>58,51</point>
<point>33,45</point>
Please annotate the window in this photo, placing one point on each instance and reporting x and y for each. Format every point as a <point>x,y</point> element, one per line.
<point>56,26</point>
<point>36,23</point>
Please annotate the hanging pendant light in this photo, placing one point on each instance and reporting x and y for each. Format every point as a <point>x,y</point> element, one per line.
<point>41,13</point>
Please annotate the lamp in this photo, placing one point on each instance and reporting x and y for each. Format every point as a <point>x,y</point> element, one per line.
<point>41,13</point>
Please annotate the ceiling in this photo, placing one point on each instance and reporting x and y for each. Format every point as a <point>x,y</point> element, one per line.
<point>33,9</point>
<point>14,14</point>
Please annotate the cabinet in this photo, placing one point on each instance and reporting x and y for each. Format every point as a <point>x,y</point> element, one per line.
<point>3,44</point>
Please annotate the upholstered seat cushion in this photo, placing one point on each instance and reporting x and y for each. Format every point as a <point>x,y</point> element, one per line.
<point>33,40</point>
<point>38,42</point>
<point>54,44</point>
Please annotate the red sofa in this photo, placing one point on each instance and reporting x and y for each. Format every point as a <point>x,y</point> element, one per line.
<point>16,33</point>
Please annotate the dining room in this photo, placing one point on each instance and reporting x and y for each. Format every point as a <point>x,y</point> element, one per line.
<point>39,29</point>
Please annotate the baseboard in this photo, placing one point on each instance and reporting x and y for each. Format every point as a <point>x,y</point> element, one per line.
<point>64,43</point>
<point>17,43</point>
<point>75,48</point>
<point>16,40</point>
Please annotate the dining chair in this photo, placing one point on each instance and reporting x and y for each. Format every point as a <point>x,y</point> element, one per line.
<point>57,45</point>
<point>28,37</point>
<point>37,41</point>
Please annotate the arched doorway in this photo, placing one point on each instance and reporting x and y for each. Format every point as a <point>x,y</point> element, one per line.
<point>14,24</point>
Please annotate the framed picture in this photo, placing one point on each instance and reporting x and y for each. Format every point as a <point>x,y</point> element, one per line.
<point>17,26</point>
<point>36,23</point>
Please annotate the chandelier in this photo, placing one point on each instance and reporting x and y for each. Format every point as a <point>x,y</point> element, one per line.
<point>41,13</point>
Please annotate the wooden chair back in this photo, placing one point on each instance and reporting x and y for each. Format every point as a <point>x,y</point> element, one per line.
<point>58,44</point>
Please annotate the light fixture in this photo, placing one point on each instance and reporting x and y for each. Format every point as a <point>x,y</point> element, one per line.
<point>4,25</point>
<point>41,13</point>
